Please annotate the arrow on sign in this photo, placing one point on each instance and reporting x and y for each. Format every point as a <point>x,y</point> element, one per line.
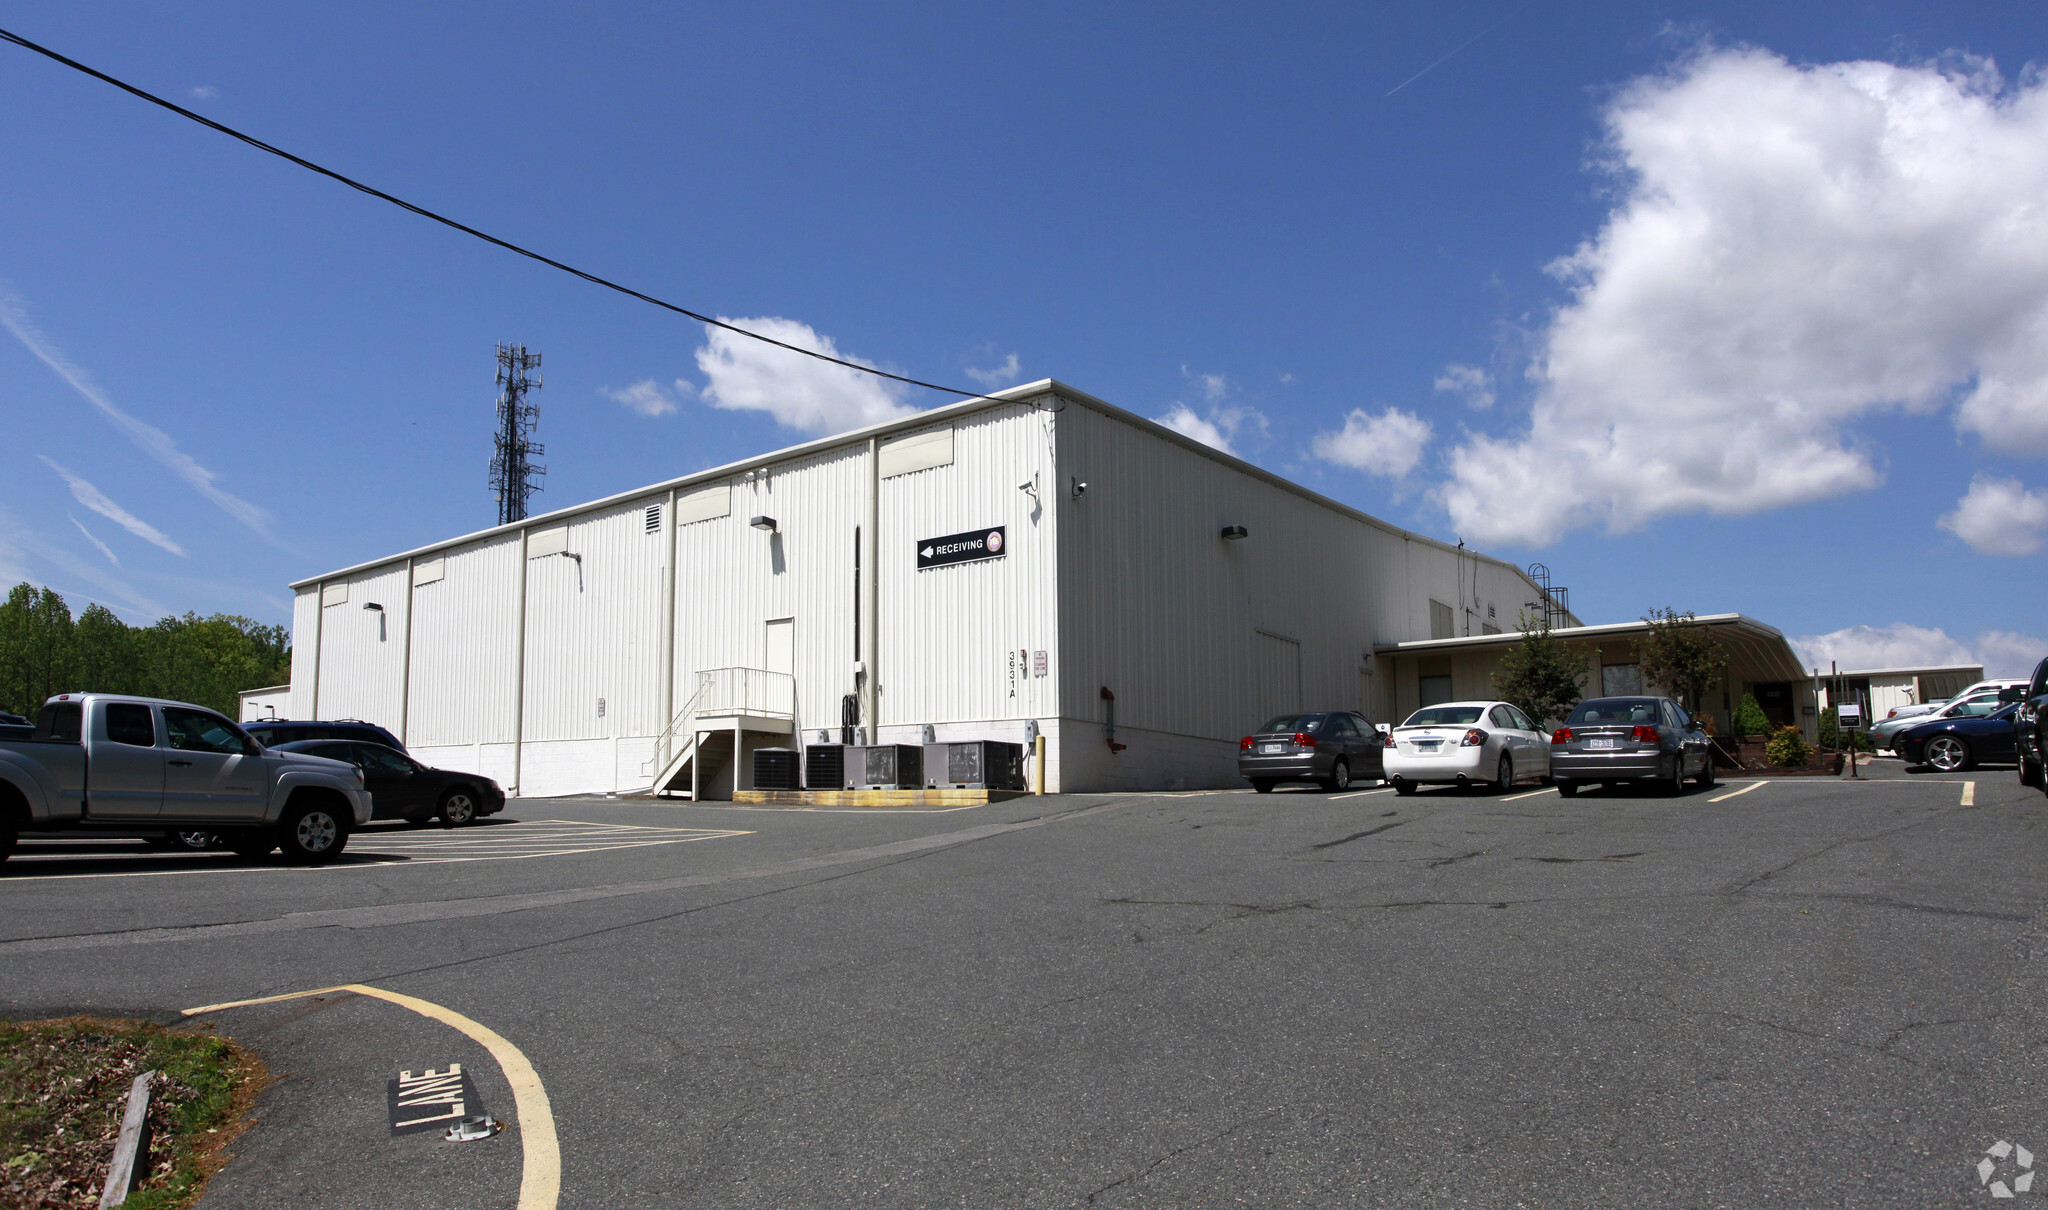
<point>927,552</point>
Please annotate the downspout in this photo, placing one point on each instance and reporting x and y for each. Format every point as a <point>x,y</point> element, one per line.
<point>519,672</point>
<point>405,674</point>
<point>871,587</point>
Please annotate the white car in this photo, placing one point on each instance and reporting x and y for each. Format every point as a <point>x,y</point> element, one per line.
<point>1466,743</point>
<point>1925,708</point>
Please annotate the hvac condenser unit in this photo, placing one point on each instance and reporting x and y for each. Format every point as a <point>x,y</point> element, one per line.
<point>982,764</point>
<point>775,769</point>
<point>885,767</point>
<point>825,767</point>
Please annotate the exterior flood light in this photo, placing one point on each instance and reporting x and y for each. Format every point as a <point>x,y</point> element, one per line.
<point>765,524</point>
<point>373,605</point>
<point>1232,533</point>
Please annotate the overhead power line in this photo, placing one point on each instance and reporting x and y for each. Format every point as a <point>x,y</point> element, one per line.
<point>466,229</point>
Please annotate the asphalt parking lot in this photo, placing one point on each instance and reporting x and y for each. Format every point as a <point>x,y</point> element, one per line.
<point>1783,992</point>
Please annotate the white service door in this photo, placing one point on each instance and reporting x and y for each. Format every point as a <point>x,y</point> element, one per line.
<point>780,654</point>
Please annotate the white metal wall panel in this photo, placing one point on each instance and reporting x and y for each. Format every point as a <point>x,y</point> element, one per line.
<point>956,641</point>
<point>1156,606</point>
<point>732,579</point>
<point>917,452</point>
<point>463,646</point>
<point>362,650</point>
<point>704,504</point>
<point>305,642</point>
<point>593,630</point>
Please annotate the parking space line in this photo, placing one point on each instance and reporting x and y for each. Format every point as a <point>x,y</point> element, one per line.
<point>540,1176</point>
<point>1744,790</point>
<point>1969,794</point>
<point>1362,793</point>
<point>1530,794</point>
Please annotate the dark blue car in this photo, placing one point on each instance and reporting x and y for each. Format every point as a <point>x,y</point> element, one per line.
<point>1958,743</point>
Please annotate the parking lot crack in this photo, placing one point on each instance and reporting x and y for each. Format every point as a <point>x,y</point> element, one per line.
<point>1331,844</point>
<point>1148,1169</point>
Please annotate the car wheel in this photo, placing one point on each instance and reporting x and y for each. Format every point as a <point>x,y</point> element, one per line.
<point>1263,785</point>
<point>458,807</point>
<point>1340,776</point>
<point>1403,786</point>
<point>312,834</point>
<point>1948,753</point>
<point>1705,781</point>
<point>1566,789</point>
<point>1504,777</point>
<point>195,842</point>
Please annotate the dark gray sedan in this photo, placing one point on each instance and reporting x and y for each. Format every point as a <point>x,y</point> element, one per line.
<point>1630,739</point>
<point>1331,748</point>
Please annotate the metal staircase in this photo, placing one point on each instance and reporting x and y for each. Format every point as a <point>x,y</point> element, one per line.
<point>733,699</point>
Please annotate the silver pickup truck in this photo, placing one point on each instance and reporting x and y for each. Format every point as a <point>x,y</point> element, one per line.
<point>114,764</point>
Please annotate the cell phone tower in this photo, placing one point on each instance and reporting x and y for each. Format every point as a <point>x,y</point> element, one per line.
<point>514,476</point>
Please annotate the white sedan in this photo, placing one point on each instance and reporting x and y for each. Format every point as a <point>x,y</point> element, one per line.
<point>1466,743</point>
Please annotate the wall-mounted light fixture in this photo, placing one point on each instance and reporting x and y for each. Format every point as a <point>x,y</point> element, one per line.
<point>1232,533</point>
<point>764,524</point>
<point>377,609</point>
<point>1079,489</point>
<point>373,605</point>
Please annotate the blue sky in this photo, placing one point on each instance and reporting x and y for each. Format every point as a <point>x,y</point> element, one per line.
<point>1786,348</point>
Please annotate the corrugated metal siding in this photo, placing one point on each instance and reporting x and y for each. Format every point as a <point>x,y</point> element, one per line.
<point>305,618</point>
<point>1157,607</point>
<point>732,580</point>
<point>956,641</point>
<point>593,629</point>
<point>362,650</point>
<point>462,648</point>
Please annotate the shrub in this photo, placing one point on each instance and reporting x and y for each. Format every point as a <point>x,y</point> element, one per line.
<point>1750,718</point>
<point>1787,748</point>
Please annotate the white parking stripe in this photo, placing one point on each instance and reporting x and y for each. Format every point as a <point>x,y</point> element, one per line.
<point>1361,793</point>
<point>1531,794</point>
<point>1731,794</point>
<point>1969,794</point>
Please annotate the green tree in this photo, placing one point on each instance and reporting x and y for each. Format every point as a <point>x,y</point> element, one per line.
<point>1750,718</point>
<point>1540,674</point>
<point>1680,657</point>
<point>37,648</point>
<point>106,653</point>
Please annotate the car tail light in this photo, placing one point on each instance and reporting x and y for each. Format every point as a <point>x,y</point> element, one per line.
<point>1563,735</point>
<point>1304,739</point>
<point>1386,739</point>
<point>1245,744</point>
<point>1647,735</point>
<point>1473,738</point>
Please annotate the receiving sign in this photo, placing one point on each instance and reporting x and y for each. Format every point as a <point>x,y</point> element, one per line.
<point>962,548</point>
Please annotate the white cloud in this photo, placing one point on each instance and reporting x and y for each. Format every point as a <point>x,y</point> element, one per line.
<point>205,91</point>
<point>1793,247</point>
<point>1388,444</point>
<point>1001,375</point>
<point>1213,386</point>
<point>1902,645</point>
<point>94,539</point>
<point>646,397</point>
<point>1183,420</point>
<point>800,392</point>
<point>148,438</point>
<point>96,500</point>
<point>1999,517</point>
<point>17,542</point>
<point>1469,383</point>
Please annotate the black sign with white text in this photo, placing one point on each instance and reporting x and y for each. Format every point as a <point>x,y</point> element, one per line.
<point>962,548</point>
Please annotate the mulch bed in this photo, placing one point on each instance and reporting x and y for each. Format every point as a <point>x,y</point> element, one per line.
<point>64,1087</point>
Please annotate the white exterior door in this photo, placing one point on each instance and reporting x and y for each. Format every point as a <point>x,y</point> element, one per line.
<point>780,652</point>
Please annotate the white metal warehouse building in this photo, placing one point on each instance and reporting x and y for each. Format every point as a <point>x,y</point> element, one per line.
<point>636,640</point>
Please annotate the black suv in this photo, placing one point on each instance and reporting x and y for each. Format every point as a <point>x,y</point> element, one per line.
<point>2027,724</point>
<point>270,732</point>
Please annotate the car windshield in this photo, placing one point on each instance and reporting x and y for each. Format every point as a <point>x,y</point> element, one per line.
<point>1614,710</point>
<point>1294,722</point>
<point>1444,716</point>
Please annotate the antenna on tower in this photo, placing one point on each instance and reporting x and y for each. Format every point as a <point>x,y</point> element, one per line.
<point>513,476</point>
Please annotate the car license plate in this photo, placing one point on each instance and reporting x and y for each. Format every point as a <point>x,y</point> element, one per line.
<point>1269,749</point>
<point>1603,743</point>
<point>1428,745</point>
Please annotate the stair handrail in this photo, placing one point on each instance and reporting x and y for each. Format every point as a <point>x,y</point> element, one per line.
<point>664,744</point>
